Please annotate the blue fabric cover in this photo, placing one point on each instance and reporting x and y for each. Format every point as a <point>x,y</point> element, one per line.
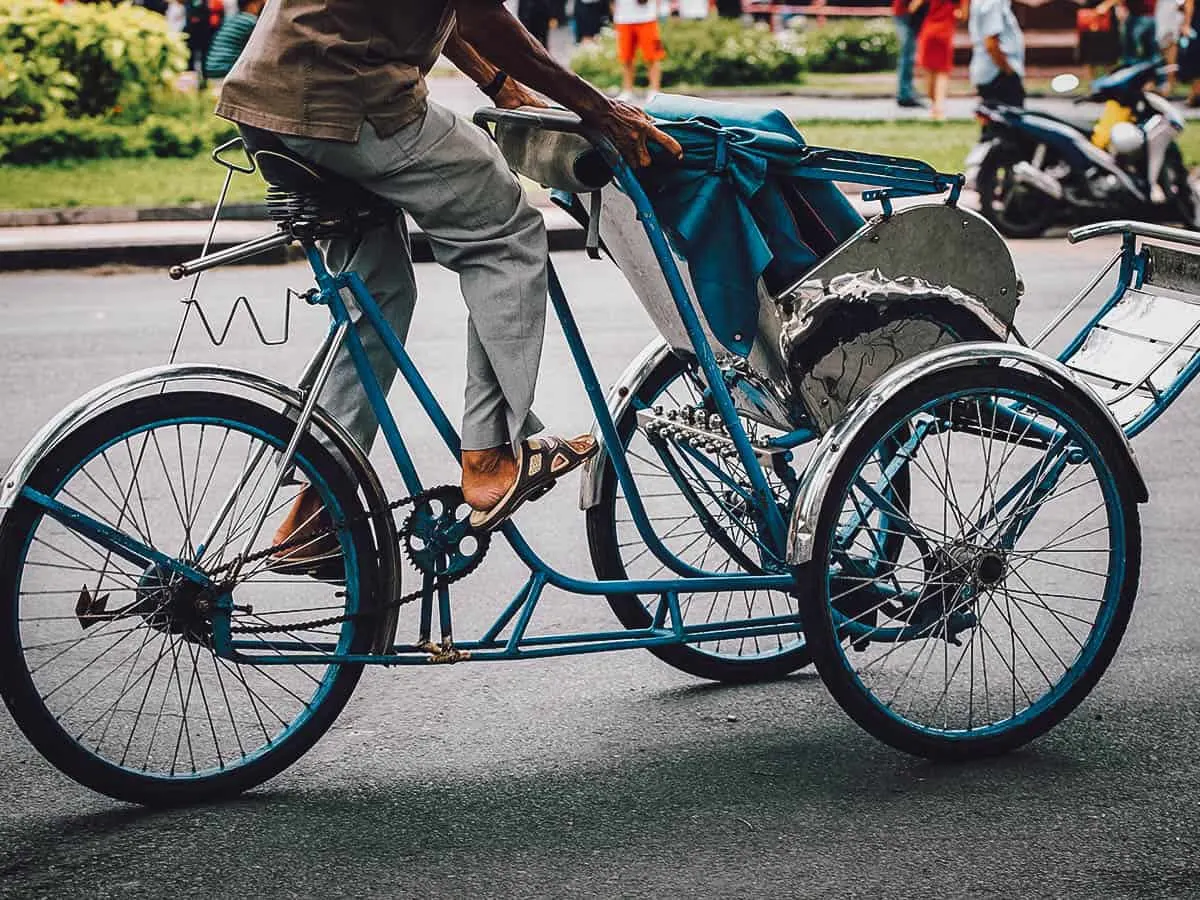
<point>731,210</point>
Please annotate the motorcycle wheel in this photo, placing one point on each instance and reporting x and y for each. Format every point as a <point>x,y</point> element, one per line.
<point>1016,211</point>
<point>1181,194</point>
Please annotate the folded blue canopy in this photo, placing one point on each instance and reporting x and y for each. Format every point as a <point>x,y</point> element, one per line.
<point>739,208</point>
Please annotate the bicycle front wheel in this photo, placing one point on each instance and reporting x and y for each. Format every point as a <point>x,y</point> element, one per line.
<point>1019,568</point>
<point>108,668</point>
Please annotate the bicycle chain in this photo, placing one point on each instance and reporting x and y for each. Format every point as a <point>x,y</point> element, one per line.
<point>394,603</point>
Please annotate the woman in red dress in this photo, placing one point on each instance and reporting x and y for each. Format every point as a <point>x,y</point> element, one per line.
<point>935,47</point>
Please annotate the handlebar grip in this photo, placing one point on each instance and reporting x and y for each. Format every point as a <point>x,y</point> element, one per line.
<point>543,117</point>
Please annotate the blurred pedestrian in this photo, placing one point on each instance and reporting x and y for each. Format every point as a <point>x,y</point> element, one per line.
<point>1137,28</point>
<point>198,28</point>
<point>589,19</point>
<point>694,9</point>
<point>1169,19</point>
<point>997,53</point>
<point>636,22</point>
<point>176,16</point>
<point>729,9</point>
<point>1189,52</point>
<point>935,48</point>
<point>540,16</point>
<point>230,39</point>
<point>908,26</point>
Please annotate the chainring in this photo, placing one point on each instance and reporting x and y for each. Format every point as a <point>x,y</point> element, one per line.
<point>437,536</point>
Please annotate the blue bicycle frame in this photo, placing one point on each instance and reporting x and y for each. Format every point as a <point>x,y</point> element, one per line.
<point>668,626</point>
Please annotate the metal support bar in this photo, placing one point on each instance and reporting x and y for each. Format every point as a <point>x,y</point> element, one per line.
<point>231,255</point>
<point>1144,381</point>
<point>285,461</point>
<point>1128,226</point>
<point>1075,303</point>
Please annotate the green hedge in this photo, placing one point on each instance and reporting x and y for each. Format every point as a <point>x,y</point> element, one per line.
<point>83,60</point>
<point>62,139</point>
<point>846,46</point>
<point>717,52</point>
<point>728,53</point>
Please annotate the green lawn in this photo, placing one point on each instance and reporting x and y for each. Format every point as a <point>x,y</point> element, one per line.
<point>121,182</point>
<point>168,182</point>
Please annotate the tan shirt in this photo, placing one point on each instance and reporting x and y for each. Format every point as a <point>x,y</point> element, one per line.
<point>320,68</point>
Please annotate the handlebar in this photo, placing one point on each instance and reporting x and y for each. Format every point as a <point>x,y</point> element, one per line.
<point>1128,226</point>
<point>543,117</point>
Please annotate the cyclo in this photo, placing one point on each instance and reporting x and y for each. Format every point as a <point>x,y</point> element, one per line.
<point>843,456</point>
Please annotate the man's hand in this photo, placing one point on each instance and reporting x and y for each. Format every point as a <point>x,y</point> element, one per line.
<point>514,95</point>
<point>631,132</point>
<point>494,36</point>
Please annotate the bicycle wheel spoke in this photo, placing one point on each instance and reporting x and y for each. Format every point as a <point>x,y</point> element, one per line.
<point>126,666</point>
<point>1006,576</point>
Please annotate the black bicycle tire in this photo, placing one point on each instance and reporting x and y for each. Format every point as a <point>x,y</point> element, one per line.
<point>16,686</point>
<point>826,644</point>
<point>985,181</point>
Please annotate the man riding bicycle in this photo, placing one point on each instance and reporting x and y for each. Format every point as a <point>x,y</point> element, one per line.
<point>341,83</point>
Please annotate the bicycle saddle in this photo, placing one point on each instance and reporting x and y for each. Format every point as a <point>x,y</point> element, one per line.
<point>310,200</point>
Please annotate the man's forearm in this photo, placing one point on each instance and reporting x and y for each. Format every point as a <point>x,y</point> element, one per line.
<point>468,61</point>
<point>992,45</point>
<point>489,32</point>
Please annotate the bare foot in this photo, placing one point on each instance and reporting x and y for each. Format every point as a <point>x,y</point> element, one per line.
<point>488,474</point>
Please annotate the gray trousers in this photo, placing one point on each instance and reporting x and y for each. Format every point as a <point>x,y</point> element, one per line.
<point>450,177</point>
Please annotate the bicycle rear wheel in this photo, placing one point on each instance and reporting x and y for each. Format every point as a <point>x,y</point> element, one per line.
<point>109,669</point>
<point>698,510</point>
<point>1019,571</point>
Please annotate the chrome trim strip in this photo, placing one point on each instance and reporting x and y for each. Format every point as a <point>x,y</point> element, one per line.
<point>231,254</point>
<point>1129,226</point>
<point>344,446</point>
<point>618,400</point>
<point>829,454</point>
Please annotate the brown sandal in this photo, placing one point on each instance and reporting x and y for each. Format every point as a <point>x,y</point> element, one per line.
<point>540,462</point>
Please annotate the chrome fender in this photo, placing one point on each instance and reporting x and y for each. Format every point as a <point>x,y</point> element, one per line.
<point>346,449</point>
<point>618,400</point>
<point>830,452</point>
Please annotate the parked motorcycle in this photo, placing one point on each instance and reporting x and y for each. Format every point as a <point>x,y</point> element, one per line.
<point>1033,169</point>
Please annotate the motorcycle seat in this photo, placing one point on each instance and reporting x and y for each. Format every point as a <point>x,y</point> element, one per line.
<point>1083,126</point>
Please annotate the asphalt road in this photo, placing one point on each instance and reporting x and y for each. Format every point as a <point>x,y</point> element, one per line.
<point>614,775</point>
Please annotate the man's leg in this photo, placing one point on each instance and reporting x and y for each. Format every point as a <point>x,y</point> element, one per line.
<point>450,177</point>
<point>653,52</point>
<point>382,260</point>
<point>905,61</point>
<point>626,55</point>
<point>655,69</point>
<point>627,78</point>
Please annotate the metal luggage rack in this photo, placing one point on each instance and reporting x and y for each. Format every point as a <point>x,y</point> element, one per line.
<point>1142,346</point>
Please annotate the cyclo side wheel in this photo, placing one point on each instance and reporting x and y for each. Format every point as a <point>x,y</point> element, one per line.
<point>1017,577</point>
<point>109,669</point>
<point>704,521</point>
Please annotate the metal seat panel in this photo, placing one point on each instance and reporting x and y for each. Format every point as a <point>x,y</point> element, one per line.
<point>1153,317</point>
<point>1125,360</point>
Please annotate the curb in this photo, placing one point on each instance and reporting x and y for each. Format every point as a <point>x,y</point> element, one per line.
<point>113,215</point>
<point>83,245</point>
<point>193,212</point>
